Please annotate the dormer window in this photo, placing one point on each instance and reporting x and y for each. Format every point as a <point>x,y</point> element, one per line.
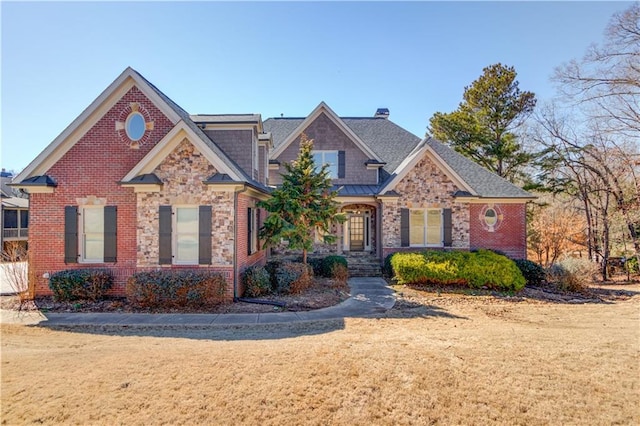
<point>327,157</point>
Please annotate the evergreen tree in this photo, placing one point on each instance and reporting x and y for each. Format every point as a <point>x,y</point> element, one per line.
<point>304,203</point>
<point>482,128</point>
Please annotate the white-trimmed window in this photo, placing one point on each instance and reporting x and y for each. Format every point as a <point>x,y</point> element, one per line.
<point>91,229</point>
<point>185,235</point>
<point>425,228</point>
<point>327,157</point>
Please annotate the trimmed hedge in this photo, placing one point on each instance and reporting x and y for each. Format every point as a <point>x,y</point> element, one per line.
<point>483,268</point>
<point>533,272</point>
<point>166,288</point>
<point>80,284</point>
<point>257,281</point>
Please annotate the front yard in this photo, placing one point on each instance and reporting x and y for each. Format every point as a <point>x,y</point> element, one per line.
<point>434,358</point>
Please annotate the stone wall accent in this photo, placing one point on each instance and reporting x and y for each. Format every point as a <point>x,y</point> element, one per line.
<point>426,186</point>
<point>327,136</point>
<point>182,173</point>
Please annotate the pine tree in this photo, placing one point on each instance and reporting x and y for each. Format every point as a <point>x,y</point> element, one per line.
<point>304,203</point>
<point>483,127</point>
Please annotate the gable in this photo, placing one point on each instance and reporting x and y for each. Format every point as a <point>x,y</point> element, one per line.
<point>181,132</point>
<point>100,118</point>
<point>328,136</point>
<point>472,180</point>
<point>328,112</point>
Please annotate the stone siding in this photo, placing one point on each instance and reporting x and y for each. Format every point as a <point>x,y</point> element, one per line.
<point>181,188</point>
<point>426,186</point>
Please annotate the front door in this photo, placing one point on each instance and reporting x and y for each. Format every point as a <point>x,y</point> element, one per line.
<point>356,232</point>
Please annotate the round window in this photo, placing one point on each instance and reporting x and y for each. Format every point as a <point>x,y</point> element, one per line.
<point>135,126</point>
<point>490,217</point>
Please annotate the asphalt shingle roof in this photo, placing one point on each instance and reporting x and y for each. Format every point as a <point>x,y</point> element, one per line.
<point>202,135</point>
<point>483,182</point>
<point>389,141</point>
<point>393,144</point>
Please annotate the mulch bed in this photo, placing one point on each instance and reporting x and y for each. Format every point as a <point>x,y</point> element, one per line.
<point>324,292</point>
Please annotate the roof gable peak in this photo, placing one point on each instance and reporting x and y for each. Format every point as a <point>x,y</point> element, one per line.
<point>323,108</point>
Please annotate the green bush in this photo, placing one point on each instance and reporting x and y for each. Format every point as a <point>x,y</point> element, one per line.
<point>387,269</point>
<point>533,272</point>
<point>328,264</point>
<point>78,284</point>
<point>315,263</point>
<point>292,278</point>
<point>479,269</point>
<point>257,281</point>
<point>167,288</point>
<point>631,265</point>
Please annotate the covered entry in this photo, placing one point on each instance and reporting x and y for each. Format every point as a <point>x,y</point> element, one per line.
<point>358,229</point>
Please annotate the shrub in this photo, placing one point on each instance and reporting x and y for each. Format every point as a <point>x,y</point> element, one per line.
<point>563,279</point>
<point>483,268</point>
<point>175,288</point>
<point>272,267</point>
<point>387,269</point>
<point>315,263</point>
<point>329,262</point>
<point>631,265</point>
<point>582,268</point>
<point>486,268</point>
<point>77,284</point>
<point>533,272</point>
<point>340,273</point>
<point>257,281</point>
<point>292,278</point>
<point>571,274</point>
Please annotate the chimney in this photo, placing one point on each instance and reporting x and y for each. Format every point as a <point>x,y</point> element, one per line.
<point>382,113</point>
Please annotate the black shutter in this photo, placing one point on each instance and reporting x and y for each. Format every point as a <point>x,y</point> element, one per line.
<point>71,234</point>
<point>404,227</point>
<point>249,229</point>
<point>446,227</point>
<point>204,235</point>
<point>110,231</point>
<point>164,243</point>
<point>341,165</point>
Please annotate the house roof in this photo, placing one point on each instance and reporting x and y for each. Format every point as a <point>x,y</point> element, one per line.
<point>484,183</point>
<point>389,141</point>
<point>401,150</point>
<point>322,108</point>
<point>226,118</point>
<point>108,97</point>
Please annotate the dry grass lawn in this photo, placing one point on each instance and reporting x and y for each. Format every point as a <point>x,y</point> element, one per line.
<point>449,359</point>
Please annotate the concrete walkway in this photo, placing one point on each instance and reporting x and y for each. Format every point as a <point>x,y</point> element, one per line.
<point>368,296</point>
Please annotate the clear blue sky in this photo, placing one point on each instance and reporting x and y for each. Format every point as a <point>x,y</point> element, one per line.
<point>272,58</point>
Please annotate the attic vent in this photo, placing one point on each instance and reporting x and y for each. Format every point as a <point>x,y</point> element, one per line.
<point>382,113</point>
